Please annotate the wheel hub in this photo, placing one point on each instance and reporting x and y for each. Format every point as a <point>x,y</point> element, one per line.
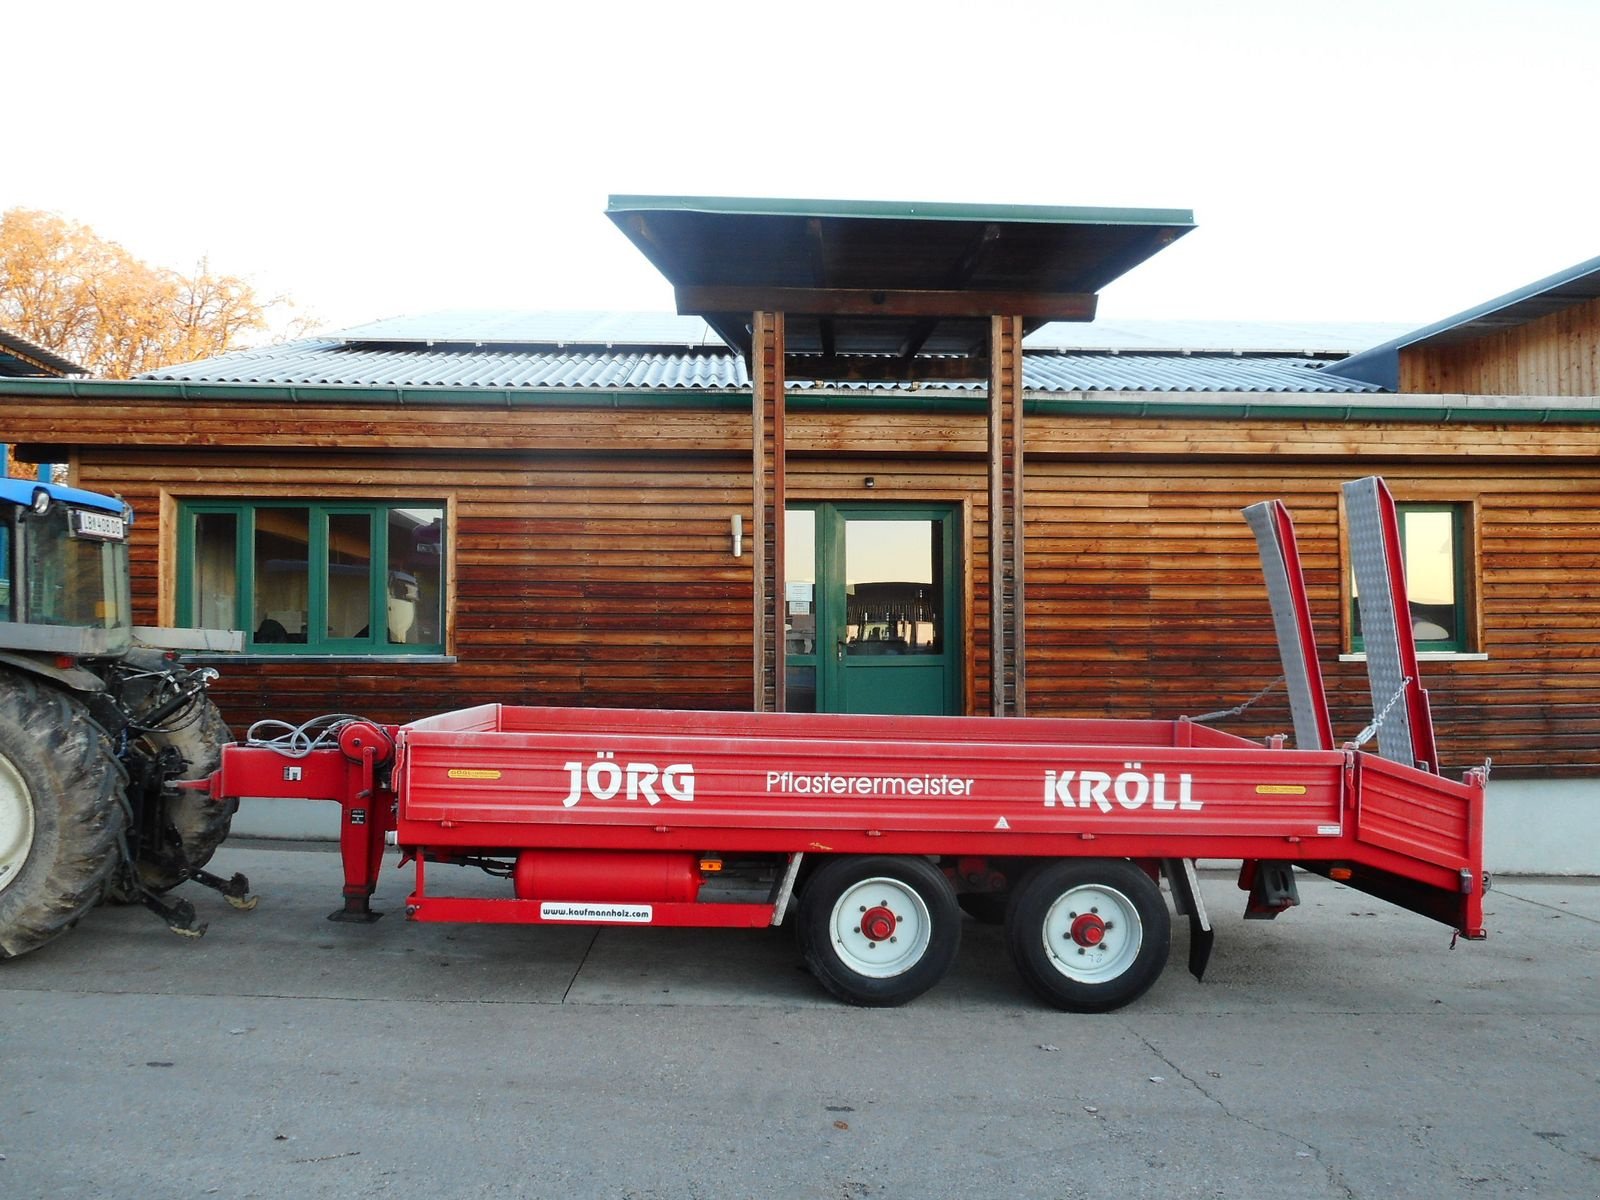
<point>878,923</point>
<point>16,822</point>
<point>880,927</point>
<point>1092,933</point>
<point>1088,930</point>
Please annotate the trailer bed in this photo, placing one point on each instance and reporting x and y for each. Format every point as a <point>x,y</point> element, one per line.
<point>879,825</point>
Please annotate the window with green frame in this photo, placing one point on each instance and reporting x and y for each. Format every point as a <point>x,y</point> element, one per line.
<point>315,577</point>
<point>1433,541</point>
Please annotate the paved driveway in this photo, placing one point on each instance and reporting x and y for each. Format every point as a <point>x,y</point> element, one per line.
<point>1343,1050</point>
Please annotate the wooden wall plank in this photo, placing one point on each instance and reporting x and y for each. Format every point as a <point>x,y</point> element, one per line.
<point>1555,355</point>
<point>595,568</point>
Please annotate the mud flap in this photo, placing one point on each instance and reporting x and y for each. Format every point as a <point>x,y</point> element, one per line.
<point>1185,887</point>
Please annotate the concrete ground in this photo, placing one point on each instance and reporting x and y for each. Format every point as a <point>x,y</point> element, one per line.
<point>1341,1051</point>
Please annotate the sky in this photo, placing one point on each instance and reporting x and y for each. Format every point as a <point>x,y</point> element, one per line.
<point>1347,160</point>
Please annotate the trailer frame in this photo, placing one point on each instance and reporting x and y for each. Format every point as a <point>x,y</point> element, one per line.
<point>626,816</point>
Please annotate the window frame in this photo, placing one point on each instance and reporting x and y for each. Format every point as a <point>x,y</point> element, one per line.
<point>1468,611</point>
<point>244,511</point>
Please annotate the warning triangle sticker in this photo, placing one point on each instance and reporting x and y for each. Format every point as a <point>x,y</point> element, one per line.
<point>1002,823</point>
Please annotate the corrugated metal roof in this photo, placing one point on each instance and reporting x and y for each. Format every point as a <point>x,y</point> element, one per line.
<point>515,327</point>
<point>1306,339</point>
<point>323,361</point>
<point>1180,373</point>
<point>502,326</point>
<point>20,357</point>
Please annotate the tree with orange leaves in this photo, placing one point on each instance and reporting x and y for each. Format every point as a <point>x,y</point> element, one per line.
<point>65,288</point>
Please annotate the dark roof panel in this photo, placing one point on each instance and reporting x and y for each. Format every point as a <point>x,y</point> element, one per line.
<point>20,358</point>
<point>885,250</point>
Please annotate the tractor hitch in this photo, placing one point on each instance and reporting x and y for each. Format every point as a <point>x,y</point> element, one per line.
<point>178,914</point>
<point>235,890</point>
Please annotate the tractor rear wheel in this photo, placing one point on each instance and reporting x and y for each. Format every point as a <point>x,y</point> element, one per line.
<point>61,813</point>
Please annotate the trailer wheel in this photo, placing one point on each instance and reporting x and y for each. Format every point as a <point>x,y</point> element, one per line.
<point>878,931</point>
<point>1088,935</point>
<point>60,814</point>
<point>197,733</point>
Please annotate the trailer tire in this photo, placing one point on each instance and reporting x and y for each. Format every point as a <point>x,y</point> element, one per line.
<point>1088,935</point>
<point>878,930</point>
<point>198,733</point>
<point>61,813</point>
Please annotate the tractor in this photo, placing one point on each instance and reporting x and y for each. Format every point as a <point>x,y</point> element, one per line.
<point>99,727</point>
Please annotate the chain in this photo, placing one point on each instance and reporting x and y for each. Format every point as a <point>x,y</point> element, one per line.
<point>1237,709</point>
<point>1367,734</point>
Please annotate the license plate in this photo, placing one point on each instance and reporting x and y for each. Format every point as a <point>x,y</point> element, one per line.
<point>104,526</point>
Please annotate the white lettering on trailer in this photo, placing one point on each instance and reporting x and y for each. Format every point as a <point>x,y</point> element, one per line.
<point>1131,789</point>
<point>609,914</point>
<point>603,779</point>
<point>796,783</point>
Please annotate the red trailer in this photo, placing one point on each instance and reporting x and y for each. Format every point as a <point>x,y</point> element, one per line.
<point>877,831</point>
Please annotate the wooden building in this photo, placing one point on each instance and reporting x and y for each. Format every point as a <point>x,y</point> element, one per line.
<point>22,359</point>
<point>415,516</point>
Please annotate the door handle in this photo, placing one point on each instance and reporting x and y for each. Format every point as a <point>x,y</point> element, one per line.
<point>840,651</point>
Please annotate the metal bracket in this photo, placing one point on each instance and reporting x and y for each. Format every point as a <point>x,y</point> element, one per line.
<point>179,915</point>
<point>1272,889</point>
<point>785,888</point>
<point>1185,885</point>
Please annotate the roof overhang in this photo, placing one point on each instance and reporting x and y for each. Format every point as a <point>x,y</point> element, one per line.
<point>1554,293</point>
<point>887,290</point>
<point>18,356</point>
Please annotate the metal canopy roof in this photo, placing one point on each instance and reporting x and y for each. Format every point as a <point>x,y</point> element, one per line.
<point>887,290</point>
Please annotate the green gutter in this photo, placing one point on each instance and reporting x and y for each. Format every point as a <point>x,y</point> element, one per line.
<point>1280,406</point>
<point>1218,406</point>
<point>400,397</point>
<point>1044,214</point>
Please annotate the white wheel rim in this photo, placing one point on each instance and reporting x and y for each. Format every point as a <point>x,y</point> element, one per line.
<point>1077,918</point>
<point>880,928</point>
<point>16,823</point>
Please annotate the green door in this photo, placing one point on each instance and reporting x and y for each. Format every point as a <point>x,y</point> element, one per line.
<point>871,619</point>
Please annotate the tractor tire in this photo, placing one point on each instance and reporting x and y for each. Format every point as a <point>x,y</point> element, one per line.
<point>61,813</point>
<point>198,733</point>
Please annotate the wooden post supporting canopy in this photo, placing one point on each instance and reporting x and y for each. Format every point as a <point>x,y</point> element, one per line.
<point>1007,661</point>
<point>767,478</point>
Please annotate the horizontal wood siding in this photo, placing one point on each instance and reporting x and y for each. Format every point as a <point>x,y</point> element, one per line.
<point>1557,355</point>
<point>583,580</point>
<point>1145,599</point>
<point>598,571</point>
<point>374,427</point>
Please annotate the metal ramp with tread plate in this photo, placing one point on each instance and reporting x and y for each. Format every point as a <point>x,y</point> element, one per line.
<point>1401,715</point>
